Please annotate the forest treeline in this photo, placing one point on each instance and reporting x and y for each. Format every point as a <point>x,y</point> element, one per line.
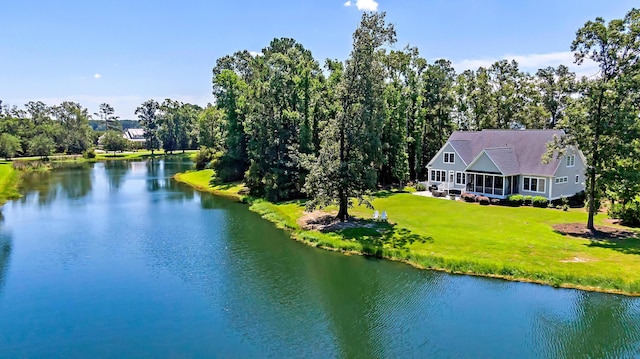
<point>290,126</point>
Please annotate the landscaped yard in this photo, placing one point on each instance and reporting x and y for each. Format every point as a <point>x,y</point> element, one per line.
<point>515,243</point>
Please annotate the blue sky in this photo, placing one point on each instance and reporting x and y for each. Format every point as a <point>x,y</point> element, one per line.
<point>126,52</point>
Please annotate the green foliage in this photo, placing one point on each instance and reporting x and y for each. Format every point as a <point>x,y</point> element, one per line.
<point>539,201</point>
<point>420,187</point>
<point>89,154</point>
<point>515,200</point>
<point>351,146</point>
<point>627,213</point>
<point>75,132</point>
<point>113,141</point>
<point>41,145</point>
<point>148,116</point>
<point>9,145</point>
<point>527,200</point>
<point>204,157</point>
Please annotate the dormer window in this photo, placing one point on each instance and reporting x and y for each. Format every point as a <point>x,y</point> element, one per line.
<point>571,160</point>
<point>449,157</point>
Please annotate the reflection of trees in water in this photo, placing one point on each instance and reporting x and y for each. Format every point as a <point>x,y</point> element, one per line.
<point>115,172</point>
<point>71,181</point>
<point>5,253</point>
<point>600,326</point>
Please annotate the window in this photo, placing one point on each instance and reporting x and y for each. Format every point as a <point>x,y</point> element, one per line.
<point>561,180</point>
<point>577,178</point>
<point>449,157</point>
<point>571,160</point>
<point>460,178</point>
<point>438,176</point>
<point>534,184</point>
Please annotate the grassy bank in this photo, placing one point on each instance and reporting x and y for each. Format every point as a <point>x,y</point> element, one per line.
<point>510,243</point>
<point>8,182</point>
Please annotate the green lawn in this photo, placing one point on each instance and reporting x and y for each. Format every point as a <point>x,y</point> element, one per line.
<point>8,182</point>
<point>513,243</point>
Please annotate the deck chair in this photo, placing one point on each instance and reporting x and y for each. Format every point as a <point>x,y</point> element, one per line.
<point>376,215</point>
<point>384,216</point>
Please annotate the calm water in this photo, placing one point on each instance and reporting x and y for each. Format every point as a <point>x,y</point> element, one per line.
<point>117,260</point>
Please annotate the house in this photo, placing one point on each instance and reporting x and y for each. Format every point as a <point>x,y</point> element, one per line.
<point>135,135</point>
<point>497,163</point>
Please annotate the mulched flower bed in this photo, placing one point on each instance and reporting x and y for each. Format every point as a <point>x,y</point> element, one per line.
<point>602,232</point>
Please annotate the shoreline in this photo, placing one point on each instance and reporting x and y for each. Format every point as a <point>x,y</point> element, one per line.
<point>322,240</point>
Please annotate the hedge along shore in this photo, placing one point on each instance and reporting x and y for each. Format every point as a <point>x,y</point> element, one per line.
<point>516,244</point>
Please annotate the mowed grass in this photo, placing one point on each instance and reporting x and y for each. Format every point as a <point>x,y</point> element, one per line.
<point>8,182</point>
<point>511,243</point>
<point>203,181</point>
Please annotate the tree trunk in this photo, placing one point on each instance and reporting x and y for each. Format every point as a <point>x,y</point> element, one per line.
<point>343,214</point>
<point>591,195</point>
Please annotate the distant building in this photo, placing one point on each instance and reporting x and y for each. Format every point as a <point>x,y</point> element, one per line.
<point>134,135</point>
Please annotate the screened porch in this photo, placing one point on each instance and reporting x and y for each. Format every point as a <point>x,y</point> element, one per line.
<point>492,184</point>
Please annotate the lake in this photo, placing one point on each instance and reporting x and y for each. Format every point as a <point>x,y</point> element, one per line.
<point>116,259</point>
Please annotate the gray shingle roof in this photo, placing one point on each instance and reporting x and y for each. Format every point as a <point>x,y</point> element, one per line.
<point>513,151</point>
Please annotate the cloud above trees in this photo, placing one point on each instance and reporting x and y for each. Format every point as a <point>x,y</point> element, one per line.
<point>364,5</point>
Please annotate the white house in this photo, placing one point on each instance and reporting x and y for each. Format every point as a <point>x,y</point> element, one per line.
<point>497,163</point>
<point>135,135</point>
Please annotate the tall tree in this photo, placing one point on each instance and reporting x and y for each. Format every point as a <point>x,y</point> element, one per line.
<point>107,114</point>
<point>9,145</point>
<point>75,136</point>
<point>604,122</point>
<point>351,148</point>
<point>556,85</point>
<point>150,122</point>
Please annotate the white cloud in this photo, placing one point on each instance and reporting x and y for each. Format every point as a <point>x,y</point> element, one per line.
<point>532,62</point>
<point>366,5</point>
<point>97,76</point>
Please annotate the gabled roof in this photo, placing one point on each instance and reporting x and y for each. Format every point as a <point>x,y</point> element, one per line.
<point>513,151</point>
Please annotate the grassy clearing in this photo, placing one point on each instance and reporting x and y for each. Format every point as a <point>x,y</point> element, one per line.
<point>202,181</point>
<point>505,242</point>
<point>8,182</point>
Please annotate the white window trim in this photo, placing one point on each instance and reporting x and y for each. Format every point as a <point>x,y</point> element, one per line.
<point>538,179</point>
<point>463,177</point>
<point>571,160</point>
<point>449,155</point>
<point>434,175</point>
<point>561,180</point>
<point>577,179</point>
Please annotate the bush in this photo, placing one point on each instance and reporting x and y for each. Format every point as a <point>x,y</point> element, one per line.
<point>468,197</point>
<point>420,187</point>
<point>484,201</point>
<point>495,201</point>
<point>204,157</point>
<point>628,214</point>
<point>515,200</point>
<point>89,153</point>
<point>539,201</point>
<point>527,200</point>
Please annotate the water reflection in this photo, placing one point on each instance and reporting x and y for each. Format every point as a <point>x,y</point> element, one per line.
<point>71,181</point>
<point>5,252</point>
<point>598,326</point>
<point>116,171</point>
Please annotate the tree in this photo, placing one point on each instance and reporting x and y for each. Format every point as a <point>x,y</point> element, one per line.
<point>350,151</point>
<point>148,116</point>
<point>106,114</point>
<point>113,141</point>
<point>9,145</point>
<point>42,146</point>
<point>556,85</point>
<point>75,134</point>
<point>212,128</point>
<point>169,123</point>
<point>604,121</point>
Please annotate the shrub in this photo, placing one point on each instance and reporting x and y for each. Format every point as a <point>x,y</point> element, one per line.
<point>420,187</point>
<point>204,157</point>
<point>495,201</point>
<point>468,197</point>
<point>539,201</point>
<point>515,200</point>
<point>577,200</point>
<point>484,201</point>
<point>89,153</point>
<point>628,214</point>
<point>527,200</point>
